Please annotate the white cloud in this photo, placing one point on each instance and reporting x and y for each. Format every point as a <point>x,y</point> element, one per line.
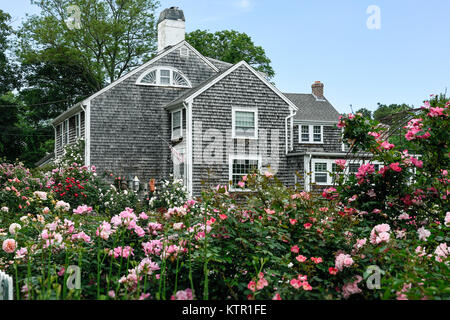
<point>244,4</point>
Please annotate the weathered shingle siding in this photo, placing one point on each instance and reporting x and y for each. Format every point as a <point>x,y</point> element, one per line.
<point>212,113</point>
<point>127,120</point>
<point>331,141</point>
<point>296,165</point>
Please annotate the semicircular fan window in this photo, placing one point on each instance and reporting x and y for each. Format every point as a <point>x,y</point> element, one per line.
<point>179,80</point>
<point>149,78</point>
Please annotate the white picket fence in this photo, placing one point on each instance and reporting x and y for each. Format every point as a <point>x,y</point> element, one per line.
<point>6,286</point>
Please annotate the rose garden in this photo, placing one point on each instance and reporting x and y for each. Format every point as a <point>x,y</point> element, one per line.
<point>377,234</point>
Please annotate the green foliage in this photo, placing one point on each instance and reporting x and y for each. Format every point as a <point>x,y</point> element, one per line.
<point>386,113</point>
<point>111,38</point>
<point>168,194</point>
<point>230,46</point>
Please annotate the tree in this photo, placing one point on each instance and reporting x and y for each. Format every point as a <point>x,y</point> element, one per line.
<point>230,46</point>
<point>10,146</point>
<point>8,76</point>
<point>72,49</point>
<point>386,113</point>
<point>107,37</point>
<point>365,112</point>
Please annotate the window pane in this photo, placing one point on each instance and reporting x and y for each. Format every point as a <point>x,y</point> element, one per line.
<point>245,119</point>
<point>176,118</point>
<point>317,133</point>
<point>353,167</point>
<point>305,133</point>
<point>165,76</point>
<point>321,167</point>
<point>321,177</point>
<point>245,123</point>
<point>242,168</point>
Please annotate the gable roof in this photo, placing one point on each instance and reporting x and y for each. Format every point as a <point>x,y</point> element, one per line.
<point>134,71</point>
<point>190,95</point>
<point>311,109</point>
<point>222,65</point>
<point>185,95</point>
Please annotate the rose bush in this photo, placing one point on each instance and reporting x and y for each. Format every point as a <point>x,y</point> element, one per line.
<point>279,243</point>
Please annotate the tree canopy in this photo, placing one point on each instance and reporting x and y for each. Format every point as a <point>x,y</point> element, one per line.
<point>231,46</point>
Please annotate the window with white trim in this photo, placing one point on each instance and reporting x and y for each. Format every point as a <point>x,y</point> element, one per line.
<point>305,133</point>
<point>245,123</point>
<point>310,133</point>
<point>179,165</point>
<point>326,171</point>
<point>241,166</point>
<point>78,125</point>
<point>177,124</point>
<point>164,76</point>
<point>317,133</point>
<point>65,132</point>
<point>353,168</point>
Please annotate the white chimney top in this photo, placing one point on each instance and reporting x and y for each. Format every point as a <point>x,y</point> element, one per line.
<point>171,28</point>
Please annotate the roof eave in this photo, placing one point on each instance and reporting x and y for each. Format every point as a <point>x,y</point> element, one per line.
<point>68,113</point>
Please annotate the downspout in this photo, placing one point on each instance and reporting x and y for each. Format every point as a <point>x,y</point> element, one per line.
<point>189,157</point>
<point>307,172</point>
<point>291,116</point>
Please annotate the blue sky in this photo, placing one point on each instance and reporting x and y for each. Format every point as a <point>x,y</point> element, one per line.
<point>404,61</point>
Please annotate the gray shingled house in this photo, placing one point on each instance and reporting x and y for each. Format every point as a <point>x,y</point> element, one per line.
<point>203,120</point>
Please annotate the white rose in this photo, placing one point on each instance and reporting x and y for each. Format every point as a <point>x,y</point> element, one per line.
<point>14,227</point>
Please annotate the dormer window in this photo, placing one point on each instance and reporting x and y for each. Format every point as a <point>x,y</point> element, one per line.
<point>164,76</point>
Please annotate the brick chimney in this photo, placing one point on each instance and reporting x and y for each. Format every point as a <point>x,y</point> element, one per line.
<point>171,28</point>
<point>317,90</point>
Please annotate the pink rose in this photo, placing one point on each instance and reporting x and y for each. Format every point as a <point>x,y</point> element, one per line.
<point>9,245</point>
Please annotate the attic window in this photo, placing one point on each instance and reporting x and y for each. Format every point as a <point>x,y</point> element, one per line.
<point>164,76</point>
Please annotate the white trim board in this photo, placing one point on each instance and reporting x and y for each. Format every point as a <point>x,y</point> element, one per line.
<point>232,69</point>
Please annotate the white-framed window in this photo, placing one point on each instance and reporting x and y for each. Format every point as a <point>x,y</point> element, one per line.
<point>65,132</point>
<point>241,166</point>
<point>78,125</point>
<point>61,134</point>
<point>321,172</point>
<point>310,133</point>
<point>179,164</point>
<point>177,124</point>
<point>245,123</point>
<point>324,170</point>
<point>304,136</point>
<point>164,76</point>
